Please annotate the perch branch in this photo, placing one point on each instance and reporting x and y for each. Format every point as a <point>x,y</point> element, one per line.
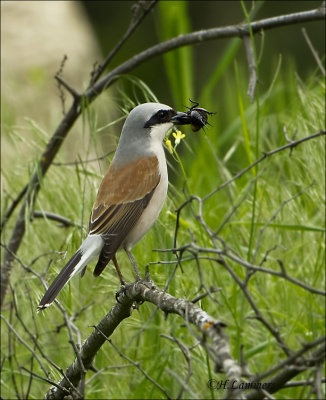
<point>146,291</point>
<point>73,113</point>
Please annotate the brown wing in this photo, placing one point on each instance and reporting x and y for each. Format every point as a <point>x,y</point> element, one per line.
<point>121,199</point>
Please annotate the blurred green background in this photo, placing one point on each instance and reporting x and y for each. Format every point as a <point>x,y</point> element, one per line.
<point>110,19</point>
<point>290,93</point>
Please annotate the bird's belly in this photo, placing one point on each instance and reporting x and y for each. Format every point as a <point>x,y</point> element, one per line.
<point>149,215</point>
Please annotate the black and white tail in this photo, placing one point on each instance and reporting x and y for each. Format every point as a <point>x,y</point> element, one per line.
<point>88,251</point>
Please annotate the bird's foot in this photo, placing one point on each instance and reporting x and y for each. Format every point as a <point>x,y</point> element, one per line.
<point>121,291</point>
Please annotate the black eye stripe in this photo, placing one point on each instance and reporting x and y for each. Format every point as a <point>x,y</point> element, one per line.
<point>160,117</point>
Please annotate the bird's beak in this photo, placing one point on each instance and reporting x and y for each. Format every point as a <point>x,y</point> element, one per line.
<point>181,118</point>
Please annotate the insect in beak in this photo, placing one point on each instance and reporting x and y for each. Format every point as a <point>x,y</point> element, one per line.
<point>195,116</point>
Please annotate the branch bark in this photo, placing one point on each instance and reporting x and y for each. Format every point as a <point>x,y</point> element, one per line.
<point>294,366</point>
<point>91,94</point>
<point>231,31</point>
<point>140,291</point>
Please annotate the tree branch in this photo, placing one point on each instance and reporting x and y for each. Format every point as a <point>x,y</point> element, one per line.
<point>132,27</point>
<point>141,291</point>
<point>135,364</point>
<point>69,119</point>
<point>231,31</point>
<point>292,367</point>
<point>266,155</point>
<point>92,345</point>
<point>32,191</point>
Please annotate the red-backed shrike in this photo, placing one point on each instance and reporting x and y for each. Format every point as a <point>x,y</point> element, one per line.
<point>130,196</point>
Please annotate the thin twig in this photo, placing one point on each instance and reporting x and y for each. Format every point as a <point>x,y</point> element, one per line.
<point>183,383</point>
<point>262,158</point>
<point>66,85</point>
<point>22,341</point>
<point>291,367</point>
<point>301,383</point>
<point>37,347</point>
<point>135,364</point>
<point>74,163</point>
<point>185,351</point>
<point>62,94</point>
<point>251,67</point>
<point>93,92</point>
<point>318,380</point>
<point>203,36</point>
<point>313,51</point>
<point>290,360</point>
<point>108,367</point>
<point>54,217</point>
<point>274,216</point>
<point>13,206</point>
<point>134,23</point>
<point>64,390</point>
<point>252,267</point>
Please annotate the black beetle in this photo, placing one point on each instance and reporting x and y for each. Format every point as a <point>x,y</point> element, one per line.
<point>195,116</point>
<point>198,116</point>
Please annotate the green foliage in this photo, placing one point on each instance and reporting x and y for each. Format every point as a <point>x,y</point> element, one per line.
<point>174,20</point>
<point>258,208</point>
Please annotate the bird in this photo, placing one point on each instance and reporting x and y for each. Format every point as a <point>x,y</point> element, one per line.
<point>130,197</point>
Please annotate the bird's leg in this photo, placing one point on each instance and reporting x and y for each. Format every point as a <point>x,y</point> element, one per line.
<point>115,262</point>
<point>133,263</point>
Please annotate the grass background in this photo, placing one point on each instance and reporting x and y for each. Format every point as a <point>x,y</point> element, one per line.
<point>241,131</point>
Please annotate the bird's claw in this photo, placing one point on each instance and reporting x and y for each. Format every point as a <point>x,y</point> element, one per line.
<point>122,290</point>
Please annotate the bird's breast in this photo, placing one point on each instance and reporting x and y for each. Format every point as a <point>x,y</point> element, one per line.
<point>154,206</point>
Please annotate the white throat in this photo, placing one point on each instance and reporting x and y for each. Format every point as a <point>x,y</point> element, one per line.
<point>158,132</point>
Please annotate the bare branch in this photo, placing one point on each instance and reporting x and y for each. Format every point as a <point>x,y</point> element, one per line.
<point>275,214</point>
<point>302,383</point>
<point>202,36</point>
<point>23,342</point>
<point>69,119</point>
<point>183,383</point>
<point>135,364</point>
<point>72,91</point>
<point>13,206</point>
<point>74,163</point>
<point>253,267</point>
<point>134,23</point>
<point>34,339</point>
<point>185,351</point>
<point>93,343</point>
<point>65,222</point>
<point>59,85</point>
<point>140,291</point>
<point>318,379</point>
<point>258,314</point>
<point>31,193</point>
<point>40,377</point>
<point>105,369</point>
<point>266,155</point>
<point>314,52</point>
<point>291,367</point>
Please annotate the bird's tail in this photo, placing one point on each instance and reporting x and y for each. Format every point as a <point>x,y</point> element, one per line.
<point>89,250</point>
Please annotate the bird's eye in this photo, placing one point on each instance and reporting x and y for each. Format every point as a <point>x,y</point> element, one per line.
<point>161,115</point>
